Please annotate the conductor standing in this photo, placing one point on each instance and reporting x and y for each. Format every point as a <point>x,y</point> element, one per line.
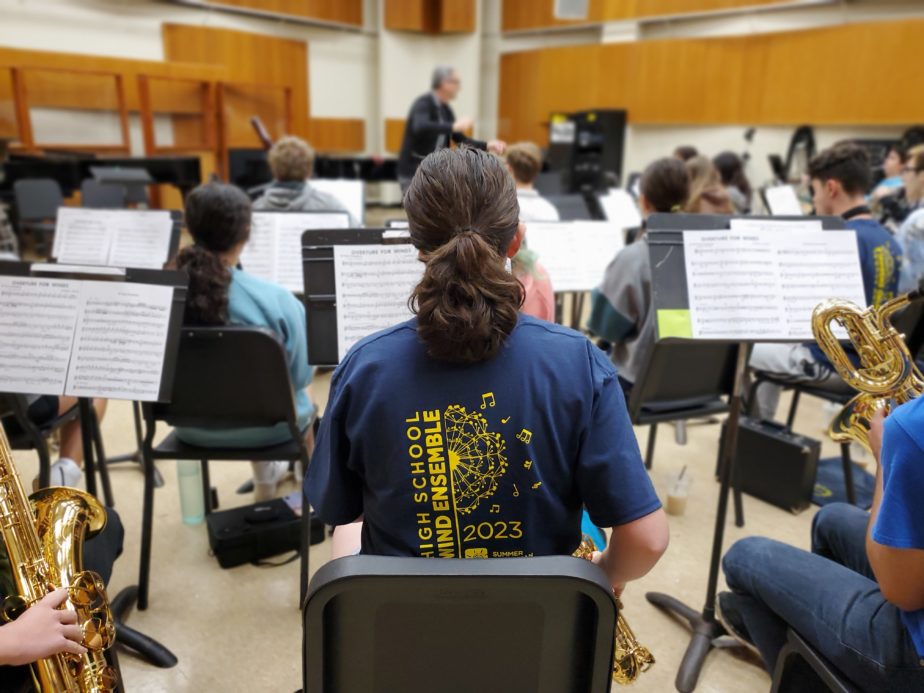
<point>432,125</point>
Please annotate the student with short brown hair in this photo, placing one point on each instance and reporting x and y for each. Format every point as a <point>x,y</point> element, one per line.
<point>291,160</point>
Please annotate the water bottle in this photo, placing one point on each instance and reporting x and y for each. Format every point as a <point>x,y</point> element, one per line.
<point>189,476</point>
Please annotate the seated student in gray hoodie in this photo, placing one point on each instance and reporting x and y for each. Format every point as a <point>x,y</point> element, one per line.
<point>621,311</point>
<point>291,160</point>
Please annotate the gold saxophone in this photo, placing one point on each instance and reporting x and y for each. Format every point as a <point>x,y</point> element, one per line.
<point>45,547</point>
<point>886,376</point>
<point>630,658</point>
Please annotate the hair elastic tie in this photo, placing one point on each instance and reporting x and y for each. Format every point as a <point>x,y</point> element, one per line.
<point>676,208</point>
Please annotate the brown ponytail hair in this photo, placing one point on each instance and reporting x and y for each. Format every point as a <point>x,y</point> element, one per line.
<point>218,219</point>
<point>463,214</point>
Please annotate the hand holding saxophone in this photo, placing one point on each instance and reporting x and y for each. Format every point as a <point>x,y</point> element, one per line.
<point>43,630</point>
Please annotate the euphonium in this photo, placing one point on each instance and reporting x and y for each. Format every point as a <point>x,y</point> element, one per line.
<point>630,658</point>
<point>45,547</point>
<point>886,375</point>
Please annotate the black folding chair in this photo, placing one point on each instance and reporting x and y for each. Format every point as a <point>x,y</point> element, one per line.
<point>102,195</point>
<point>798,664</point>
<point>374,623</point>
<point>226,378</point>
<point>23,434</point>
<point>681,380</point>
<point>37,202</point>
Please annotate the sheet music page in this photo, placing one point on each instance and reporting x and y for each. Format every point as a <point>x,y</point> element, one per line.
<point>259,254</point>
<point>289,230</point>
<point>119,340</point>
<point>815,267</point>
<point>140,238</point>
<point>763,285</point>
<point>776,225</point>
<point>350,193</point>
<point>39,315</point>
<point>373,284</point>
<point>621,209</point>
<point>82,236</point>
<point>575,254</point>
<point>783,201</point>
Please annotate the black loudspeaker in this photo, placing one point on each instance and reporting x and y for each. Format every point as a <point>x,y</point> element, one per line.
<point>774,464</point>
<point>585,146</point>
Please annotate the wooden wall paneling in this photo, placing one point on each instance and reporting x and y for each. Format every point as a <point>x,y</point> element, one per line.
<point>457,16</point>
<point>782,78</point>
<point>21,104</point>
<point>410,15</point>
<point>338,135</point>
<point>430,16</point>
<point>339,11</point>
<point>55,87</point>
<point>254,59</point>
<point>8,127</point>
<point>394,134</point>
<point>99,98</point>
<point>520,15</point>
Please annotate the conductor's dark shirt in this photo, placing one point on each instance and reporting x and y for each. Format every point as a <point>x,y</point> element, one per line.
<point>428,128</point>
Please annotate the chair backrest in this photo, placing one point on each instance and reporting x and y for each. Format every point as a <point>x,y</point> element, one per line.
<point>681,373</point>
<point>37,199</point>
<point>495,625</point>
<point>102,195</point>
<point>570,207</point>
<point>550,183</point>
<point>228,377</point>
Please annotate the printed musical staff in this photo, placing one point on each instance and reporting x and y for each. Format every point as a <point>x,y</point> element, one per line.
<point>575,254</point>
<point>116,238</point>
<point>762,280</point>
<point>373,284</point>
<point>83,338</point>
<point>274,250</point>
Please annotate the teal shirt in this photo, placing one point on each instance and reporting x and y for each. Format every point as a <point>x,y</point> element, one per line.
<point>259,303</point>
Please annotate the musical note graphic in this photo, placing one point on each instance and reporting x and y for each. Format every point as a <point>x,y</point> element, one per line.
<point>527,464</point>
<point>503,421</point>
<point>525,436</point>
<point>487,400</point>
<point>495,508</point>
<point>537,485</point>
<point>516,491</point>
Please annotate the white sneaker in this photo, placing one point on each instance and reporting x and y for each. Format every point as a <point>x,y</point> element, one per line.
<point>266,478</point>
<point>66,472</point>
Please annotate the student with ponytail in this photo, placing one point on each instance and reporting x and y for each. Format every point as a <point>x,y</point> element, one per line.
<point>472,430</point>
<point>218,219</point>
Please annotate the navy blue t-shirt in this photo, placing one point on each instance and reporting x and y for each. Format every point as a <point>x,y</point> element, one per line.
<point>900,523</point>
<point>880,263</point>
<point>487,460</point>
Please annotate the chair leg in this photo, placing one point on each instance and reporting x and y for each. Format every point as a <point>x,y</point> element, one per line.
<point>206,487</point>
<point>306,548</point>
<point>649,454</point>
<point>101,461</point>
<point>848,474</point>
<point>147,527</point>
<point>791,417</point>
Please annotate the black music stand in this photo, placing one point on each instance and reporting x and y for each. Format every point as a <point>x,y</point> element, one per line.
<point>669,289</point>
<point>148,648</point>
<point>320,284</point>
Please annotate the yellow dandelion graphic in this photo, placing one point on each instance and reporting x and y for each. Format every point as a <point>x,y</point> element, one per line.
<point>476,457</point>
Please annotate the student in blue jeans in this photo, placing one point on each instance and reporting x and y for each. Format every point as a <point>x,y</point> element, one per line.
<point>858,597</point>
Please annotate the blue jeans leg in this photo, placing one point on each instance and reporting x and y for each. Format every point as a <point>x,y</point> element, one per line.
<point>839,534</point>
<point>841,613</point>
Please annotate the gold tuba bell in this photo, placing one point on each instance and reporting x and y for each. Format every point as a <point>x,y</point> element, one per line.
<point>630,658</point>
<point>886,376</point>
<point>44,542</point>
